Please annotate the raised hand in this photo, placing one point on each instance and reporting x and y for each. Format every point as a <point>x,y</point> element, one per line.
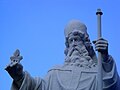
<point>15,69</point>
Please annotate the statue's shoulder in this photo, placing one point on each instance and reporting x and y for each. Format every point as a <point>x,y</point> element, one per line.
<point>56,67</point>
<point>72,68</point>
<point>61,68</point>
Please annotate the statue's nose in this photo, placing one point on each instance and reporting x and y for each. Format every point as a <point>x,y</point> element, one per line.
<point>74,44</point>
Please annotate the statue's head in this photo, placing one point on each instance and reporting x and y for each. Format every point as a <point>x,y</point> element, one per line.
<point>75,28</point>
<point>78,45</point>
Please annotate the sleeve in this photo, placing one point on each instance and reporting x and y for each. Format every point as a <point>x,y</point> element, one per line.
<point>29,83</point>
<point>111,80</point>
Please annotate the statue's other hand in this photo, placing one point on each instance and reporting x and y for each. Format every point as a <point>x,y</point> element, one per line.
<point>15,71</point>
<point>101,45</point>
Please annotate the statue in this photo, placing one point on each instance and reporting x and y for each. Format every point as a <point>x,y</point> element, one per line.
<point>79,71</point>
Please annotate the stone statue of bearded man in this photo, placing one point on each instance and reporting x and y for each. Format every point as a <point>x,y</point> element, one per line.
<point>79,72</point>
<point>79,50</point>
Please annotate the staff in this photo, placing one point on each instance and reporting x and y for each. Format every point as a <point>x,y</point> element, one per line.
<point>100,82</point>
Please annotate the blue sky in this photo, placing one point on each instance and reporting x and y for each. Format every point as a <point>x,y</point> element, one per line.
<point>36,27</point>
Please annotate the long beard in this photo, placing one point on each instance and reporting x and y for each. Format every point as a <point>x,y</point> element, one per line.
<point>78,56</point>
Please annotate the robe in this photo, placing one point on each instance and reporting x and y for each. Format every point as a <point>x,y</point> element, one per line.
<point>68,77</point>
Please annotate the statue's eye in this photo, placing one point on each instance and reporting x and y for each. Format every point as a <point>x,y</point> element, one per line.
<point>70,40</point>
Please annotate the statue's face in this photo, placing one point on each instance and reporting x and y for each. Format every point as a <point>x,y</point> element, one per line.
<point>75,40</point>
<point>77,53</point>
<point>76,45</point>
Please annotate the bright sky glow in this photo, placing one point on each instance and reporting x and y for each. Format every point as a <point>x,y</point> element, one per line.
<point>36,27</point>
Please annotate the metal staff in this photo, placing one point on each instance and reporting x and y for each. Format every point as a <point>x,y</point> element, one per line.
<point>100,79</point>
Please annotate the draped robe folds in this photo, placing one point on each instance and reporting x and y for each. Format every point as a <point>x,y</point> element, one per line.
<point>72,78</point>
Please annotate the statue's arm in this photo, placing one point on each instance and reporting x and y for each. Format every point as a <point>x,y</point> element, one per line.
<point>110,75</point>
<point>109,65</point>
<point>21,79</point>
<point>111,79</point>
<point>28,83</point>
<point>101,45</point>
<point>15,68</point>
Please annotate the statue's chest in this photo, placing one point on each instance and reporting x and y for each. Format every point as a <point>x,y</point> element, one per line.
<point>75,79</point>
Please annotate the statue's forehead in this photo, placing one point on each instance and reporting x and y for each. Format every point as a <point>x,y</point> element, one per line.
<point>74,36</point>
<point>74,25</point>
<point>76,33</point>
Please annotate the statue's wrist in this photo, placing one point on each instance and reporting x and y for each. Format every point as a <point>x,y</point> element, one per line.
<point>105,56</point>
<point>19,76</point>
<point>19,82</point>
<point>107,59</point>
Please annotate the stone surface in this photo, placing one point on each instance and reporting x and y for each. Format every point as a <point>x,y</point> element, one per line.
<point>79,71</point>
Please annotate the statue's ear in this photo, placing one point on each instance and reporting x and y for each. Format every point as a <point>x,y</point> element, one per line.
<point>66,42</point>
<point>66,51</point>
